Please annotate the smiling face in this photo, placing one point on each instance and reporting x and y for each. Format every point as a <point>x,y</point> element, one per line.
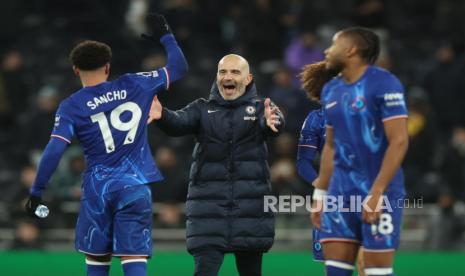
<point>233,76</point>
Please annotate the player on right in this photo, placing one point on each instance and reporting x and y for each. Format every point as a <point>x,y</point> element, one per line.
<point>366,141</point>
<point>312,139</point>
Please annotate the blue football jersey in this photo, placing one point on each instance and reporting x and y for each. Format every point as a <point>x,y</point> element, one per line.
<point>313,130</point>
<point>356,113</point>
<point>110,122</point>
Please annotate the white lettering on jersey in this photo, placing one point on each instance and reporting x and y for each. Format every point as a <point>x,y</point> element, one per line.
<point>396,96</point>
<point>394,99</point>
<point>106,98</point>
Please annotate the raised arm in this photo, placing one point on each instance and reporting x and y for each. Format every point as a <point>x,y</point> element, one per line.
<point>176,65</point>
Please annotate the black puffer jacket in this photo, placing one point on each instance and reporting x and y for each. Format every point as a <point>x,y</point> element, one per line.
<point>229,175</point>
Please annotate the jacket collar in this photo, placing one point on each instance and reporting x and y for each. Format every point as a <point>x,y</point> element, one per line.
<point>248,96</point>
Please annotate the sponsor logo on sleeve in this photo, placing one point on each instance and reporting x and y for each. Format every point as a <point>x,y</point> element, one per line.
<point>394,99</point>
<point>151,74</point>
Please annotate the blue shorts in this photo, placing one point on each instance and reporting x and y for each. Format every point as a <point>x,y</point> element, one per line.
<point>349,227</point>
<point>117,223</point>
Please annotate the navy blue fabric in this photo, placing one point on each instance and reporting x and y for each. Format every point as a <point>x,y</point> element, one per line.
<point>229,175</point>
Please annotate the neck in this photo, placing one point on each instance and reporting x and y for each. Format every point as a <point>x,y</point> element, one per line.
<point>92,78</point>
<point>92,81</point>
<point>354,71</point>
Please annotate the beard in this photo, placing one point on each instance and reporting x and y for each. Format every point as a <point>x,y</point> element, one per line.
<point>334,67</point>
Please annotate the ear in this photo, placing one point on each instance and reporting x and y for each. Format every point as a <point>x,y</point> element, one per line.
<point>352,51</point>
<point>107,68</point>
<point>76,70</point>
<point>249,79</point>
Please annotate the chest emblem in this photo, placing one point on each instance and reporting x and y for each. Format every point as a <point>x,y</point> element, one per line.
<point>250,110</point>
<point>359,104</point>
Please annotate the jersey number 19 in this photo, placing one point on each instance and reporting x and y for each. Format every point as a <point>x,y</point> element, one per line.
<point>130,126</point>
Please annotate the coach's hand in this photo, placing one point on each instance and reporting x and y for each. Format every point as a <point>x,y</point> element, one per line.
<point>31,205</point>
<point>157,23</point>
<point>371,212</point>
<point>271,115</point>
<point>155,110</point>
<point>317,210</point>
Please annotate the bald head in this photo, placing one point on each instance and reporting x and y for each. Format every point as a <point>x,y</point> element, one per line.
<point>233,76</point>
<point>237,60</point>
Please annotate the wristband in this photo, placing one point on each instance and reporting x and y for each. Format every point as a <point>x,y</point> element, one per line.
<point>318,194</point>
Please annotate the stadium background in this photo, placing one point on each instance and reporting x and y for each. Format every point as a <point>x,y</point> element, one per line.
<point>423,43</point>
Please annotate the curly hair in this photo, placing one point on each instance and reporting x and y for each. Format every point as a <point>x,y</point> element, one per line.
<point>313,78</point>
<point>90,55</point>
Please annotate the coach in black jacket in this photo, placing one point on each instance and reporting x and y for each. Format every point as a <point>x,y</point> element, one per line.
<point>229,176</point>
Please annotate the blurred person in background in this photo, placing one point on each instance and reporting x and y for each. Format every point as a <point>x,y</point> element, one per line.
<point>229,174</point>
<point>14,93</point>
<point>18,192</point>
<point>301,51</point>
<point>173,190</point>
<point>449,235</point>
<point>445,86</point>
<point>283,173</point>
<point>259,29</point>
<point>290,99</point>
<point>420,162</point>
<point>27,236</point>
<point>109,118</point>
<point>35,124</point>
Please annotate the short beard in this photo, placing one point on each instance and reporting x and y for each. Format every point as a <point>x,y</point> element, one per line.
<point>336,68</point>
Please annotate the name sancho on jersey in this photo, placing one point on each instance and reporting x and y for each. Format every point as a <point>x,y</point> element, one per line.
<point>106,98</point>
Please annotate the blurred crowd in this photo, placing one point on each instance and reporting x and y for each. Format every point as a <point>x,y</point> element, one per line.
<point>423,43</point>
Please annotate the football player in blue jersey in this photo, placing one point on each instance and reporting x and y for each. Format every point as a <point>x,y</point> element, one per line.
<point>312,138</point>
<point>312,135</point>
<point>366,141</point>
<point>109,118</point>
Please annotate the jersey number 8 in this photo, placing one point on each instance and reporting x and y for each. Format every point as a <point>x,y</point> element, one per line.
<point>129,126</point>
<point>384,227</point>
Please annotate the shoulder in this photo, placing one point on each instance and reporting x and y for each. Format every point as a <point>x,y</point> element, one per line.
<point>336,81</point>
<point>383,77</point>
<point>67,107</point>
<point>200,102</point>
<point>314,120</point>
<point>127,78</point>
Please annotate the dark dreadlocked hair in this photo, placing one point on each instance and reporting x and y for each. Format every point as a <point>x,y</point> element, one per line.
<point>367,42</point>
<point>313,78</point>
<point>90,55</point>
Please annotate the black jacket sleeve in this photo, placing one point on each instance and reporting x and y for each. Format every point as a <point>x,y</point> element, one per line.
<point>268,131</point>
<point>181,122</point>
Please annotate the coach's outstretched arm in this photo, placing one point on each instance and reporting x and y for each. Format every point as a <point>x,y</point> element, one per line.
<point>176,65</point>
<point>176,123</point>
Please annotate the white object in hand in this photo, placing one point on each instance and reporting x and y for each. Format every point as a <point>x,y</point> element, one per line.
<point>42,211</point>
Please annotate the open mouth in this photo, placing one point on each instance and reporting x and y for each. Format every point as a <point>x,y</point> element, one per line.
<point>229,88</point>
